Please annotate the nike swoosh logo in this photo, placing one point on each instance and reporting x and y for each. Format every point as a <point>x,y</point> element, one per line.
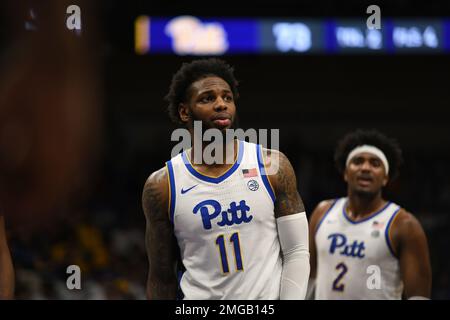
<point>184,191</point>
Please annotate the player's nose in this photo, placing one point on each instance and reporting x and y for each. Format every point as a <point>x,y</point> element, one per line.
<point>220,104</point>
<point>365,166</point>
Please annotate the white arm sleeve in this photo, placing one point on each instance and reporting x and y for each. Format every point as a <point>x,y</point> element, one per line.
<point>293,235</point>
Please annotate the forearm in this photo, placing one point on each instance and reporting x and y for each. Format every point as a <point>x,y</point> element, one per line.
<point>419,286</point>
<point>161,289</point>
<point>162,280</point>
<point>416,274</point>
<point>294,279</point>
<point>293,234</point>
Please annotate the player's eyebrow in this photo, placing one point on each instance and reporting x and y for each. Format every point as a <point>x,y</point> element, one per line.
<point>368,158</point>
<point>206,91</point>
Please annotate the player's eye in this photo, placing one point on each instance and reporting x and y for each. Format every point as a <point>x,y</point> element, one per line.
<point>207,99</point>
<point>358,160</point>
<point>228,98</point>
<point>375,163</point>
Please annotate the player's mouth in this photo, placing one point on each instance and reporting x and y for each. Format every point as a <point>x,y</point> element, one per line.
<point>364,180</point>
<point>222,120</point>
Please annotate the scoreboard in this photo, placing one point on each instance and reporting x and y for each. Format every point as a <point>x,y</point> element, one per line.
<point>189,35</point>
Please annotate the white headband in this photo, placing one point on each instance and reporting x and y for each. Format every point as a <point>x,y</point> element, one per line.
<point>369,149</point>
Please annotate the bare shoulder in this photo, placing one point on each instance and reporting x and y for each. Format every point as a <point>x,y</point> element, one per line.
<point>405,224</point>
<point>155,195</point>
<point>320,210</point>
<point>158,177</point>
<point>272,155</point>
<point>406,230</point>
<point>278,167</point>
<point>284,183</point>
<point>324,205</point>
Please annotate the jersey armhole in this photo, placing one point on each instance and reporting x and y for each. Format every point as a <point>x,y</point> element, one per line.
<point>262,170</point>
<point>387,233</point>
<point>172,190</point>
<point>325,215</point>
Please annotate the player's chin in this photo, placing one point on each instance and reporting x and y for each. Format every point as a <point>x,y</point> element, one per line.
<point>365,192</point>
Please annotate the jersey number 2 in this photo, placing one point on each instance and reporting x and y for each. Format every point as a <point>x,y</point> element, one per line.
<point>336,285</point>
<point>220,242</point>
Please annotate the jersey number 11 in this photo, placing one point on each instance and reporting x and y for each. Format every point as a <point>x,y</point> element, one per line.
<point>234,239</point>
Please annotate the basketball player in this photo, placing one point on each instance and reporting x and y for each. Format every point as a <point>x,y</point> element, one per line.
<point>6,267</point>
<point>362,245</point>
<point>240,233</point>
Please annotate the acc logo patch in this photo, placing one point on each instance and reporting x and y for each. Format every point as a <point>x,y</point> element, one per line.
<point>253,185</point>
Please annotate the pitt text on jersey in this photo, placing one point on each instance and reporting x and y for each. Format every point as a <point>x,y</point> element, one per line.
<point>339,242</point>
<point>229,217</point>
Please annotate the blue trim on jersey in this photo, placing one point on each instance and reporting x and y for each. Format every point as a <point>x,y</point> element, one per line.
<point>262,169</point>
<point>367,218</point>
<point>386,232</point>
<point>172,189</point>
<point>221,178</point>
<point>325,215</point>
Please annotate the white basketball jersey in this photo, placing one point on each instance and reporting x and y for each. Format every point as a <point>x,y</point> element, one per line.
<point>226,229</point>
<point>355,260</point>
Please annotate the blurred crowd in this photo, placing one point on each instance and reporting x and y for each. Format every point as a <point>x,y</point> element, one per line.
<point>109,251</point>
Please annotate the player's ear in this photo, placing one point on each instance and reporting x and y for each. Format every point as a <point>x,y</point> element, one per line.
<point>345,175</point>
<point>183,111</point>
<point>385,180</point>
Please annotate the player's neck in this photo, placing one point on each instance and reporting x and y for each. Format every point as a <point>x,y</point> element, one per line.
<point>359,206</point>
<point>229,154</point>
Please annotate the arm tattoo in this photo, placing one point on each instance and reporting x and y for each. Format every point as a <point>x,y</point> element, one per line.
<point>159,239</point>
<point>288,200</point>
